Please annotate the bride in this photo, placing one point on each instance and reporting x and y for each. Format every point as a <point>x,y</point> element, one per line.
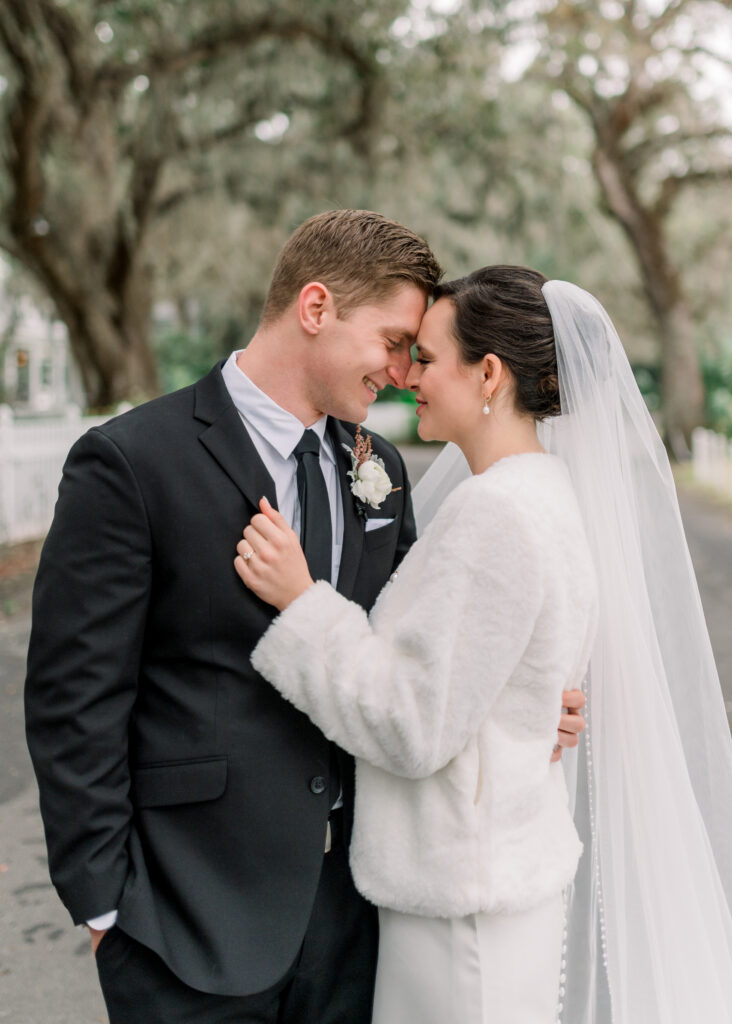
<point>560,551</point>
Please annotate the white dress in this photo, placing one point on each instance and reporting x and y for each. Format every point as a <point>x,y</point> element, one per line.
<point>449,694</point>
<point>470,970</point>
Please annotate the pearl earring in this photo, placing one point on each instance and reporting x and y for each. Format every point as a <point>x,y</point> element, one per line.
<point>486,407</point>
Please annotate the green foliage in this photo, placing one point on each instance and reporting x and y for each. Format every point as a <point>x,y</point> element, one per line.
<point>717,374</point>
<point>718,387</point>
<point>490,167</point>
<point>184,356</point>
<point>648,379</point>
<point>392,394</point>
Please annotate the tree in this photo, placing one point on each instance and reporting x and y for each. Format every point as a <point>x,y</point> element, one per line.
<point>207,130</point>
<point>118,112</point>
<point>637,72</point>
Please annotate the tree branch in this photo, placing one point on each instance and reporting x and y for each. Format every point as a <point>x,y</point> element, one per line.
<point>65,32</point>
<point>692,51</point>
<point>11,249</point>
<point>671,187</point>
<point>26,125</point>
<point>175,199</point>
<point>631,7</point>
<point>251,114</point>
<point>18,28</point>
<point>665,18</point>
<point>637,154</point>
<point>569,83</point>
<point>217,41</point>
<point>624,109</point>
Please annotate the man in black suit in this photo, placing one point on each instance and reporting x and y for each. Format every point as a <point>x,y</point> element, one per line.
<point>195,820</point>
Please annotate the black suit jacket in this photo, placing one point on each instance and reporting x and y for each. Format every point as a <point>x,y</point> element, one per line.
<point>176,784</point>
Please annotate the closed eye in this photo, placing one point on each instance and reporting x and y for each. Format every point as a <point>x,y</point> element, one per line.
<point>397,340</point>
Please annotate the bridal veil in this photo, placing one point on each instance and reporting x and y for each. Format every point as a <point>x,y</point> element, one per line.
<point>649,936</point>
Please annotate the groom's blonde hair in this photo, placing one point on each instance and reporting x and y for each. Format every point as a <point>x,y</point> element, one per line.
<point>360,256</point>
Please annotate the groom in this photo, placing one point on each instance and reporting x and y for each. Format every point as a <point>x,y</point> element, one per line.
<point>196,821</point>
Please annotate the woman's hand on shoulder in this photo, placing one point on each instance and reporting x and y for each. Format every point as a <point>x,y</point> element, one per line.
<point>270,559</point>
<point>571,723</point>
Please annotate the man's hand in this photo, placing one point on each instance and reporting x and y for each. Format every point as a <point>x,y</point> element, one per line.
<point>571,723</point>
<point>96,937</point>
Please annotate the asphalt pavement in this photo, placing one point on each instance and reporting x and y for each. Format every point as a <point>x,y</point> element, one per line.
<point>47,974</point>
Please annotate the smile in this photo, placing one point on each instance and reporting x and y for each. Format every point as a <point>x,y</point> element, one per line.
<point>373,388</point>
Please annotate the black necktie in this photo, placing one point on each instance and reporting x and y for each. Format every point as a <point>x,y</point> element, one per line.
<point>316,531</point>
<point>316,538</point>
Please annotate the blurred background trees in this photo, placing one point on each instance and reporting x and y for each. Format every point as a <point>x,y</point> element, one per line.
<point>635,74</point>
<point>156,153</point>
<point>118,114</point>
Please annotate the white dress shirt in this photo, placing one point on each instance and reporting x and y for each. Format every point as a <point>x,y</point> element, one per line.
<point>275,433</point>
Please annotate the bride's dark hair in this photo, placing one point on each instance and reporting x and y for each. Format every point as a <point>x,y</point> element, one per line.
<point>501,310</point>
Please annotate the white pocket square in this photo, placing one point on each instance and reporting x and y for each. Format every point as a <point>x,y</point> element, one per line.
<point>377,524</point>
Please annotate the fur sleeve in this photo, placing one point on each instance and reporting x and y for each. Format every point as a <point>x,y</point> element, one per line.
<point>406,690</point>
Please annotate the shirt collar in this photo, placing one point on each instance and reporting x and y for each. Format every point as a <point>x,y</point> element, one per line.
<point>276,425</point>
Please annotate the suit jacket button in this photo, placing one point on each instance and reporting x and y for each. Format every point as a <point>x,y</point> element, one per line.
<point>317,785</point>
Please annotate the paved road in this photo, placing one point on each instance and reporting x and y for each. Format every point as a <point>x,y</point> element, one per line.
<point>47,975</point>
<point>708,525</point>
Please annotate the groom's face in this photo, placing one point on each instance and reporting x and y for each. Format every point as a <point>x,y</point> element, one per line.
<point>359,355</point>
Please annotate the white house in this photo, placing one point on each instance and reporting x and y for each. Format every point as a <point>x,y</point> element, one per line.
<point>40,414</point>
<point>38,375</point>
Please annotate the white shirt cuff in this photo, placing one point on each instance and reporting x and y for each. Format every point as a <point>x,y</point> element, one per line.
<point>104,921</point>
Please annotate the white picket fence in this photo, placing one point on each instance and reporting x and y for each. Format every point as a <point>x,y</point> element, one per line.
<point>32,454</point>
<point>712,460</point>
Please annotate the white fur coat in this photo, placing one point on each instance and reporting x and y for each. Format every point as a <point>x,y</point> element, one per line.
<point>449,695</point>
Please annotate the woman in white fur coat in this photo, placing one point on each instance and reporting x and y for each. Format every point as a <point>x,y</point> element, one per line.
<point>447,693</point>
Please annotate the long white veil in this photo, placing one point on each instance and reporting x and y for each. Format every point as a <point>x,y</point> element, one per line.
<point>649,919</point>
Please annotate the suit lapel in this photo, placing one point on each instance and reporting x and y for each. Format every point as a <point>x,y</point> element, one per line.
<point>353,524</point>
<point>227,440</point>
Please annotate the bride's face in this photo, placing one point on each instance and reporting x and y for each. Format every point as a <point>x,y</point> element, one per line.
<point>449,393</point>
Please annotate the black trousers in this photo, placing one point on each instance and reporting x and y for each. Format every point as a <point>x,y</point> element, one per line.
<point>331,981</point>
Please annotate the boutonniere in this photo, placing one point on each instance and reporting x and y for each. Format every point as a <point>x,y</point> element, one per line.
<point>370,483</point>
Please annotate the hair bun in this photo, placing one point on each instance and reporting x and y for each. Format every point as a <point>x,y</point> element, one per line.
<point>549,386</point>
<point>548,389</point>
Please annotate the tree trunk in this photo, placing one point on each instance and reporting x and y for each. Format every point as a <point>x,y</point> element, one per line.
<point>85,155</point>
<point>108,334</point>
<point>681,379</point>
<point>114,358</point>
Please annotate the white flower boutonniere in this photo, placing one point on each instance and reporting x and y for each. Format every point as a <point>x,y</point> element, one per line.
<point>370,482</point>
